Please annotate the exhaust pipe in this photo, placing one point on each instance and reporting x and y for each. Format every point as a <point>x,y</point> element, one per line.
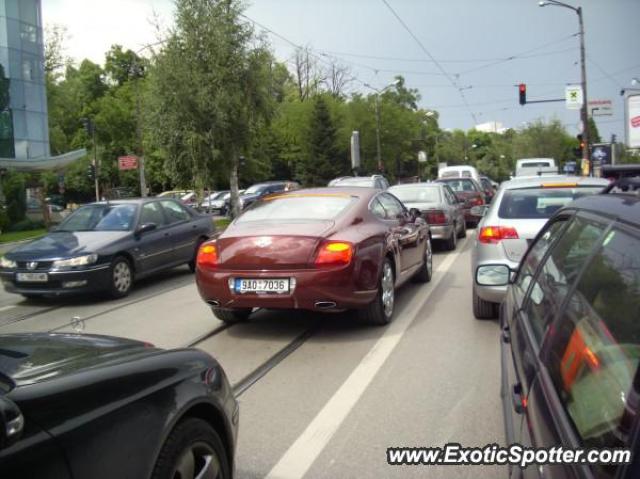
<point>325,304</point>
<point>213,302</point>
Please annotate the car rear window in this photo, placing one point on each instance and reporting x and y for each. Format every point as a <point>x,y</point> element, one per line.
<point>450,174</point>
<point>460,186</point>
<point>538,203</point>
<point>297,208</point>
<point>355,182</point>
<point>417,194</point>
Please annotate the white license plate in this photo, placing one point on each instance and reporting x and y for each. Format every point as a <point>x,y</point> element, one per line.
<point>32,277</point>
<point>263,285</point>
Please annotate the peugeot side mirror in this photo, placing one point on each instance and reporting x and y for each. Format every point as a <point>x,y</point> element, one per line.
<point>11,423</point>
<point>145,228</point>
<point>415,213</point>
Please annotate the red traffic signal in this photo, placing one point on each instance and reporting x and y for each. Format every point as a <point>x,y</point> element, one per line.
<point>522,89</point>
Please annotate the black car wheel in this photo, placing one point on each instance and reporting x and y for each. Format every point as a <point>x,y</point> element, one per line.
<point>192,263</point>
<point>463,230</point>
<point>483,309</point>
<point>425,272</point>
<point>121,277</point>
<point>380,311</point>
<point>232,315</point>
<point>452,242</point>
<point>192,450</point>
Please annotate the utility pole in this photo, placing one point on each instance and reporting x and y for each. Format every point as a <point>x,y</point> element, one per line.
<point>585,101</point>
<point>95,161</point>
<point>143,183</point>
<point>586,160</point>
<point>378,153</point>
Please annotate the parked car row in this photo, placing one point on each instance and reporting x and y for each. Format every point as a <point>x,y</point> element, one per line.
<point>557,258</point>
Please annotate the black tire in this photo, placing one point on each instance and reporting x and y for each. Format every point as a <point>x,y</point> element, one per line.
<point>424,274</point>
<point>192,438</point>
<point>463,231</point>
<point>452,242</point>
<point>375,313</point>
<point>192,263</point>
<point>119,287</point>
<point>483,309</point>
<point>232,315</point>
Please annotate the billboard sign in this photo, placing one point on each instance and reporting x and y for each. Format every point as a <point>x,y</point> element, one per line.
<point>600,107</point>
<point>127,162</point>
<point>601,154</point>
<point>632,120</point>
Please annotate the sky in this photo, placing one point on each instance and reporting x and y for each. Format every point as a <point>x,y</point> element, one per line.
<point>482,48</point>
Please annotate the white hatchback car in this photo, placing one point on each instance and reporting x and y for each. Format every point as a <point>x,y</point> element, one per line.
<point>518,212</point>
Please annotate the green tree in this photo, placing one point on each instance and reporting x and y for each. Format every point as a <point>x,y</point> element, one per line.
<point>324,161</point>
<point>211,89</point>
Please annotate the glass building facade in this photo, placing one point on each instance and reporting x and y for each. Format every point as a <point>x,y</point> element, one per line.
<point>24,131</point>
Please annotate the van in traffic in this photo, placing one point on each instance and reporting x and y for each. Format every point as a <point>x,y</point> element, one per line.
<point>459,171</point>
<point>536,167</point>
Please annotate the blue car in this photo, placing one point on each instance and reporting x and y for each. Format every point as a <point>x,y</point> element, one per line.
<point>106,247</point>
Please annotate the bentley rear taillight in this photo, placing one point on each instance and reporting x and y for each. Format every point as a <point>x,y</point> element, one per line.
<point>495,234</point>
<point>207,256</point>
<point>334,253</point>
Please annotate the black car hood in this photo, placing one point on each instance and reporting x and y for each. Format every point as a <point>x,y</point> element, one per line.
<point>61,244</point>
<point>35,357</point>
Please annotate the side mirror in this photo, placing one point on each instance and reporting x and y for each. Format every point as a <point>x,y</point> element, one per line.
<point>11,423</point>
<point>145,228</point>
<point>493,275</point>
<point>480,210</point>
<point>415,213</point>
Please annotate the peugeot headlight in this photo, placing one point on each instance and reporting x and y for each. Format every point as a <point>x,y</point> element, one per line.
<point>77,261</point>
<point>7,263</point>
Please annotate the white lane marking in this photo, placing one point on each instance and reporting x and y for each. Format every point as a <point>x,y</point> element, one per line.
<point>305,450</point>
<point>7,307</point>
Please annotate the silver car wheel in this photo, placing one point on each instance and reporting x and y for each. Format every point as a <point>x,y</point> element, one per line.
<point>429,257</point>
<point>387,290</point>
<point>122,277</point>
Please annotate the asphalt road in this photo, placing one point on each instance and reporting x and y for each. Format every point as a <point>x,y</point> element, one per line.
<point>322,396</point>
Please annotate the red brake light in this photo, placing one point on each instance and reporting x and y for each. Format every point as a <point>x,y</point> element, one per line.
<point>334,253</point>
<point>495,234</point>
<point>477,201</point>
<point>436,217</point>
<point>207,256</point>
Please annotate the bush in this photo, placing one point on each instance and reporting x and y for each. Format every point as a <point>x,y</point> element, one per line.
<point>14,187</point>
<point>4,219</point>
<point>26,225</point>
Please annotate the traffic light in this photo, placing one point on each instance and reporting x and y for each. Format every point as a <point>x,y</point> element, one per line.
<point>522,90</point>
<point>577,152</point>
<point>91,172</point>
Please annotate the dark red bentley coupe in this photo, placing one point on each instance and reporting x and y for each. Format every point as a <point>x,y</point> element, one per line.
<point>316,249</point>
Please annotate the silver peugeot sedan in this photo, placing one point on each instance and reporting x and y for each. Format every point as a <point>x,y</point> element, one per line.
<point>518,212</point>
<point>439,207</point>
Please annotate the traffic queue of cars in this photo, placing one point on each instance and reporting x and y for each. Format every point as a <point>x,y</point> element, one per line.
<point>557,258</point>
<point>562,254</point>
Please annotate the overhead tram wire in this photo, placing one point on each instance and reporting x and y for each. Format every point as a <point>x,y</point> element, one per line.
<point>436,63</point>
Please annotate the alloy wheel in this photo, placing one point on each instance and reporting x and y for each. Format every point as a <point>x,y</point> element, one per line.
<point>387,290</point>
<point>122,277</point>
<point>198,461</point>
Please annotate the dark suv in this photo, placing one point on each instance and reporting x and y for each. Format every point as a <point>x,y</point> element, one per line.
<point>570,337</point>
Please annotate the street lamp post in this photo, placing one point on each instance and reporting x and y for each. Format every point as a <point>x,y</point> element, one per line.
<point>583,69</point>
<point>378,148</point>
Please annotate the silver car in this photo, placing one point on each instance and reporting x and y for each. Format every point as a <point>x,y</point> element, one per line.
<point>518,212</point>
<point>439,206</point>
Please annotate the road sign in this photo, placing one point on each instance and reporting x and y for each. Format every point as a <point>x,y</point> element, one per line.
<point>600,107</point>
<point>355,150</point>
<point>422,157</point>
<point>573,97</point>
<point>128,162</point>
<point>632,119</point>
